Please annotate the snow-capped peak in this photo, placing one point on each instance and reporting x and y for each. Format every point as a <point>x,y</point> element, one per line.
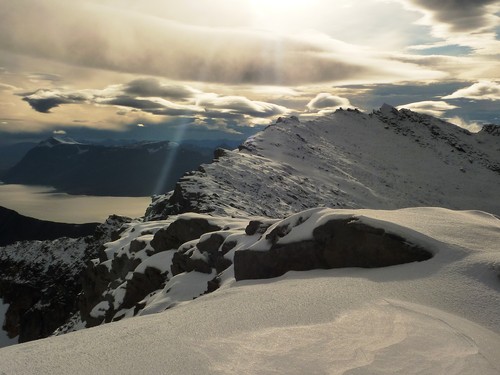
<point>54,141</point>
<point>388,110</point>
<point>349,159</point>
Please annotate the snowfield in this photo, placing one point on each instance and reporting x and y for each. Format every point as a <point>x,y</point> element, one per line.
<point>438,316</point>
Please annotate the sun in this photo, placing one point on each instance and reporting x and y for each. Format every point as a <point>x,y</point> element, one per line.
<point>278,4</point>
<point>276,15</point>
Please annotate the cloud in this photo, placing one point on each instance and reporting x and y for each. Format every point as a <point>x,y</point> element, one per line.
<point>240,105</point>
<point>473,127</point>
<point>44,100</point>
<point>59,132</point>
<point>35,77</point>
<point>485,90</point>
<point>122,41</point>
<point>325,101</point>
<point>5,87</point>
<point>192,102</point>
<point>154,87</point>
<point>430,107</point>
<point>460,15</point>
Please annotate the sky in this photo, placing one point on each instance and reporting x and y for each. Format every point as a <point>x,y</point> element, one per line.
<point>213,69</point>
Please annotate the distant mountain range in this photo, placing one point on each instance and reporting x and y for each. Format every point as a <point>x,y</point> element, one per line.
<point>136,169</point>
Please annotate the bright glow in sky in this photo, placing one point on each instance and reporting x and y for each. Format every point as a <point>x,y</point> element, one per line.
<point>220,66</point>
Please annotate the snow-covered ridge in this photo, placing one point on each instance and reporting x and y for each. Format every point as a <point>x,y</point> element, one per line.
<point>385,160</point>
<point>55,141</point>
<point>435,316</point>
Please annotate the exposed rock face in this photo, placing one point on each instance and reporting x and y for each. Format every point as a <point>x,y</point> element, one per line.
<point>119,280</point>
<point>211,257</point>
<point>179,232</point>
<point>41,280</point>
<point>338,243</point>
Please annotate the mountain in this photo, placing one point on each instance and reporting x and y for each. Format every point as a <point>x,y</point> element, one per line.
<point>11,154</point>
<point>390,286</point>
<point>15,227</point>
<point>138,169</point>
<point>384,160</point>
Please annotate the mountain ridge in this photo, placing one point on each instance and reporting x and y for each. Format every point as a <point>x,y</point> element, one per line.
<point>137,169</point>
<point>349,159</point>
<point>264,197</point>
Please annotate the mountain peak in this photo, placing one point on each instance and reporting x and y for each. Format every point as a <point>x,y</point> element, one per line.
<point>348,159</point>
<point>388,109</point>
<point>54,141</point>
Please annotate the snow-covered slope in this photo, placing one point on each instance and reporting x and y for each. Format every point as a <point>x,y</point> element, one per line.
<point>387,159</point>
<point>439,316</point>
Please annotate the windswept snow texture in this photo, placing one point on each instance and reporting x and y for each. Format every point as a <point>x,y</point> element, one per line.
<point>385,160</point>
<point>439,316</point>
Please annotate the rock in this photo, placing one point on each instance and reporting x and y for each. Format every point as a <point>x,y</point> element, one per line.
<point>184,262</point>
<point>256,226</point>
<point>213,251</point>
<point>337,243</point>
<point>219,152</point>
<point>141,284</point>
<point>212,244</point>
<point>181,231</point>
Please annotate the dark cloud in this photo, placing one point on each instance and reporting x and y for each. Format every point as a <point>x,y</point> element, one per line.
<point>131,102</point>
<point>153,87</point>
<point>46,104</point>
<point>44,100</point>
<point>461,15</point>
<point>203,104</point>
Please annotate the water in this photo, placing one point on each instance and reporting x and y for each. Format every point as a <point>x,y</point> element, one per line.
<point>46,204</point>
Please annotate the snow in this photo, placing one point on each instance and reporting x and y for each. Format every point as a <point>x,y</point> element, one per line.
<point>434,317</point>
<point>54,141</point>
<point>100,309</point>
<point>181,288</point>
<point>385,160</point>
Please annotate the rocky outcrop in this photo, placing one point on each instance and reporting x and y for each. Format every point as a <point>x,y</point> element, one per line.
<point>119,280</point>
<point>40,280</point>
<point>336,244</point>
<point>181,231</point>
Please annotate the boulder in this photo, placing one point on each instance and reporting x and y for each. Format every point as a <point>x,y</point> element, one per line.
<point>181,231</point>
<point>335,244</point>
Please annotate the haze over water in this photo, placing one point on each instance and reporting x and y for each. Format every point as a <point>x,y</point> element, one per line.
<point>44,203</point>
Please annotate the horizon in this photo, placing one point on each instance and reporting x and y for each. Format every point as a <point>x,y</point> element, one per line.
<point>225,69</point>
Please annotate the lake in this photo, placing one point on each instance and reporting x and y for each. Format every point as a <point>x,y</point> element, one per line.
<point>46,204</point>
